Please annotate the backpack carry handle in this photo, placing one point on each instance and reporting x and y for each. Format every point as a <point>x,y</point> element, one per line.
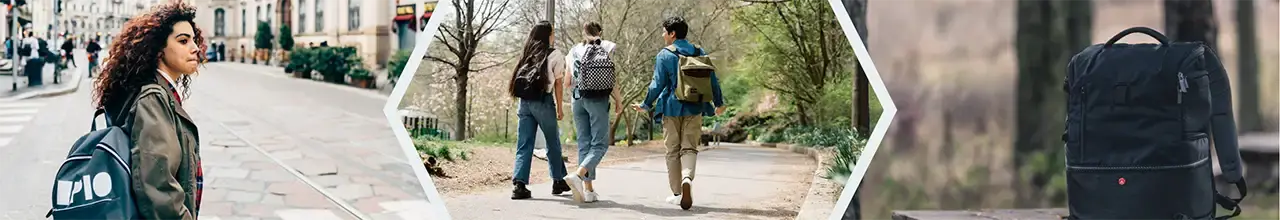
<point>1164,40</point>
<point>93,126</point>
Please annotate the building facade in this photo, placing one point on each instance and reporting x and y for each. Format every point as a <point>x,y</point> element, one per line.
<point>363,24</point>
<point>410,20</point>
<point>101,19</point>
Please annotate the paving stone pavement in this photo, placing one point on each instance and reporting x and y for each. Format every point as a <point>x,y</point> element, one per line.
<point>340,152</point>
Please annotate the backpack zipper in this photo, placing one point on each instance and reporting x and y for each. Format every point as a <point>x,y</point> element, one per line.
<point>1182,86</point>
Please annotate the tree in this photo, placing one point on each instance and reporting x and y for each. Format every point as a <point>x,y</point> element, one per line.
<point>286,38</point>
<point>1041,70</point>
<point>474,20</point>
<point>1246,39</point>
<point>807,46</point>
<point>857,10</point>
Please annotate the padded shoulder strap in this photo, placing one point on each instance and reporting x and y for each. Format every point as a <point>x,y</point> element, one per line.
<point>1223,127</point>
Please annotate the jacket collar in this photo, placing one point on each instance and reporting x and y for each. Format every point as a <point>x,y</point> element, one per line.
<point>172,89</point>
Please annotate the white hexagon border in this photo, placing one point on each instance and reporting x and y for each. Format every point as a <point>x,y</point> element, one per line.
<point>859,169</point>
<point>882,124</point>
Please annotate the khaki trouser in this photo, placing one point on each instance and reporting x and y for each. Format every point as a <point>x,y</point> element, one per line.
<point>683,134</point>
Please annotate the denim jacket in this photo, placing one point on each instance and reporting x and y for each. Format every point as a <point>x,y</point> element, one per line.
<point>662,87</point>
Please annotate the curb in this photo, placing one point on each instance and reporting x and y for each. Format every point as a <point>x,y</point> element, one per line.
<point>814,206</point>
<point>73,86</point>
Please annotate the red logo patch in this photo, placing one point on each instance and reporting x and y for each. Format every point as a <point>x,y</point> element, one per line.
<point>1121,181</point>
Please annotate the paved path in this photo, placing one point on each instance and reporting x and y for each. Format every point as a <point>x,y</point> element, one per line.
<point>734,182</point>
<point>256,130</point>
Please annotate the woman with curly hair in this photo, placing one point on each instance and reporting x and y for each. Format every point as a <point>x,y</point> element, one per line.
<point>141,89</point>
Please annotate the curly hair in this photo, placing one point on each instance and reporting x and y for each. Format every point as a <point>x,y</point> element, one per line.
<point>135,53</point>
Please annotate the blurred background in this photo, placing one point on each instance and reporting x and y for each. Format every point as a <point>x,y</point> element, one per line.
<point>953,69</point>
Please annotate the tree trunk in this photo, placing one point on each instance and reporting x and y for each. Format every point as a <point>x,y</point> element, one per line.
<point>1041,70</point>
<point>802,110</point>
<point>1191,21</point>
<point>613,126</point>
<point>1250,116</point>
<point>460,101</point>
<point>857,10</point>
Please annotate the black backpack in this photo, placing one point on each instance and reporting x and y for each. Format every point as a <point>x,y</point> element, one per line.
<point>1139,121</point>
<point>95,181</point>
<point>594,77</point>
<point>531,80</point>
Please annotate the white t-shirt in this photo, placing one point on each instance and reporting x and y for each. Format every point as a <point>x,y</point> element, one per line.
<point>579,50</point>
<point>555,66</point>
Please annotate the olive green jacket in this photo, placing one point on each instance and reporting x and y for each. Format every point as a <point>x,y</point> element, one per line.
<point>165,155</point>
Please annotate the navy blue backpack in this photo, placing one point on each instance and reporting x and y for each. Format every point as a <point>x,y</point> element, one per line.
<point>95,181</point>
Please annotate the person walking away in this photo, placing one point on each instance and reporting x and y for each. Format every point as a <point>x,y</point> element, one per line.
<point>68,52</point>
<point>534,82</point>
<point>92,50</point>
<point>157,50</point>
<point>593,83</point>
<point>682,65</point>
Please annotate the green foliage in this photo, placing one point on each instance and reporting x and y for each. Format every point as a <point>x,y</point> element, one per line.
<point>301,59</point>
<point>840,165</point>
<point>334,62</point>
<point>286,37</point>
<point>263,38</point>
<point>1051,163</point>
<point>440,149</point>
<point>396,65</point>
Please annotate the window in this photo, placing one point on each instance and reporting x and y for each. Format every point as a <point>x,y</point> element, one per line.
<point>219,22</point>
<point>353,15</point>
<point>302,16</point>
<point>319,15</point>
<point>258,14</point>
<point>243,17</point>
<point>270,14</point>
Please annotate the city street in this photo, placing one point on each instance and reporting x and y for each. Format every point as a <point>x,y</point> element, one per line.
<point>273,147</point>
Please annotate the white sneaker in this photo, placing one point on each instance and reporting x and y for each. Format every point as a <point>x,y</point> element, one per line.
<point>591,197</point>
<point>575,185</point>
<point>540,154</point>
<point>674,200</point>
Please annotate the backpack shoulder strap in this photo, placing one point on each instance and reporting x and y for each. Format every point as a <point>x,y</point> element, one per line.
<point>1223,127</point>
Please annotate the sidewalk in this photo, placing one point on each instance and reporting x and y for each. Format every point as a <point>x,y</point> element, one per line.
<point>733,182</point>
<point>66,83</point>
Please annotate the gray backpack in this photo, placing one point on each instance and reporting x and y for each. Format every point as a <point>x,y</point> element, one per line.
<point>95,181</point>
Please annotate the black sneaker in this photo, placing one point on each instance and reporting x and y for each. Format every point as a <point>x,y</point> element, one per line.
<point>560,186</point>
<point>521,192</point>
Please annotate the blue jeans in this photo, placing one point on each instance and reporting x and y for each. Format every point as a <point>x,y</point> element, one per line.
<point>536,114</point>
<point>591,118</point>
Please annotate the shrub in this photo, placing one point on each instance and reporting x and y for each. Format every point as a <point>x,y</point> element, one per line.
<point>286,37</point>
<point>333,62</point>
<point>301,60</point>
<point>840,165</point>
<point>440,149</point>
<point>396,65</point>
<point>263,38</point>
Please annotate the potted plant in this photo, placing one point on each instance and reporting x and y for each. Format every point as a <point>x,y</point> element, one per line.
<point>286,44</point>
<point>332,64</point>
<point>361,77</point>
<point>301,64</point>
<point>262,42</point>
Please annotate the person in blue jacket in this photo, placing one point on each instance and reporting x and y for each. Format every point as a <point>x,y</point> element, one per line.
<point>681,121</point>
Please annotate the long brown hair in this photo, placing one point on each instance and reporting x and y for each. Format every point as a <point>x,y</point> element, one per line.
<point>135,53</point>
<point>536,48</point>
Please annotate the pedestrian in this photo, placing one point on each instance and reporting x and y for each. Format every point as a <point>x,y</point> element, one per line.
<point>222,51</point>
<point>534,81</point>
<point>68,52</point>
<point>92,50</point>
<point>682,119</point>
<point>160,50</point>
<point>590,107</point>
